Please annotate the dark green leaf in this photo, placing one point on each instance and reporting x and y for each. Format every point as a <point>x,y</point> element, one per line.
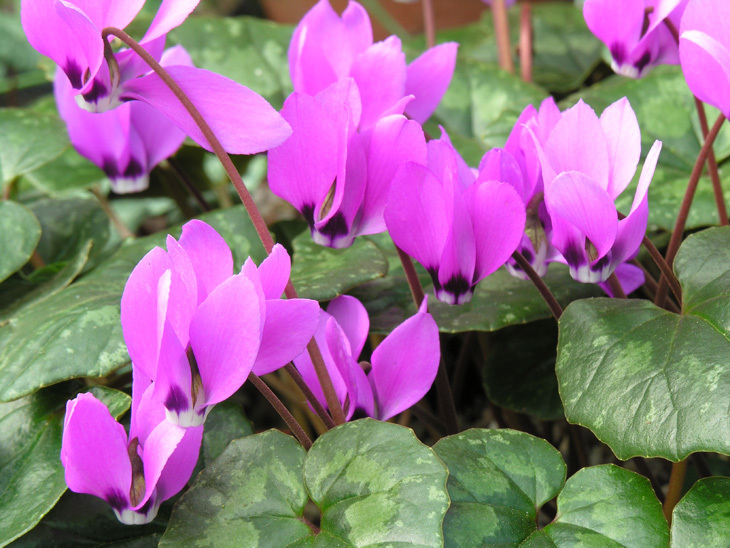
<point>28,140</point>
<point>68,172</point>
<point>498,480</point>
<point>702,517</point>
<point>322,273</point>
<point>649,382</point>
<point>31,474</point>
<point>77,331</point>
<point>250,51</point>
<point>20,234</point>
<point>225,423</point>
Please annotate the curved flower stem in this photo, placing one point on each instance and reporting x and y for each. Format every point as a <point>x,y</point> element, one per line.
<point>501,32</point>
<point>678,231</point>
<point>122,229</point>
<point>674,493</point>
<point>665,269</point>
<point>544,290</point>
<point>526,41</point>
<point>712,166</point>
<point>253,212</point>
<point>615,285</point>
<point>443,388</point>
<point>311,398</point>
<point>284,413</point>
<point>429,27</point>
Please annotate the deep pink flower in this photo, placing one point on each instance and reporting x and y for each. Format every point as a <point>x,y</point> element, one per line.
<point>197,330</point>
<point>635,32</point>
<point>326,47</point>
<point>69,32</point>
<point>459,227</point>
<point>336,176</point>
<point>134,474</point>
<point>402,370</point>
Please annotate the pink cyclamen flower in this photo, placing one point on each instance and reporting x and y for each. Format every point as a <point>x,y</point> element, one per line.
<point>326,47</point>
<point>636,32</point>
<point>508,3</point>
<point>126,142</point>
<point>134,474</point>
<point>336,176</point>
<point>704,50</point>
<point>587,163</point>
<point>197,330</point>
<point>460,228</point>
<point>402,369</point>
<point>69,32</point>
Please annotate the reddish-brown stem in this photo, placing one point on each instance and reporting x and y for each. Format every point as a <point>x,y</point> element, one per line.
<point>678,232</point>
<point>526,42</point>
<point>284,413</point>
<point>674,492</point>
<point>429,27</point>
<point>615,285</point>
<point>712,166</point>
<point>443,388</point>
<point>311,398</point>
<point>544,290</point>
<point>249,204</point>
<point>124,232</point>
<point>501,32</point>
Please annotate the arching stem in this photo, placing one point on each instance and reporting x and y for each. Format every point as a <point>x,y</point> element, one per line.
<point>541,286</point>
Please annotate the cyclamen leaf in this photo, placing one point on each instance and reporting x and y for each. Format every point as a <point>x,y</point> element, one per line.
<point>20,234</point>
<point>702,517</point>
<point>649,382</point>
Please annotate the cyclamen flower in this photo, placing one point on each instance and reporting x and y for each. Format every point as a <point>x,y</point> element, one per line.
<point>587,163</point>
<point>403,366</point>
<point>461,229</point>
<point>337,177</point>
<point>197,331</point>
<point>326,47</point>
<point>127,142</point>
<point>704,50</point>
<point>134,474</point>
<point>635,32</point>
<point>69,32</point>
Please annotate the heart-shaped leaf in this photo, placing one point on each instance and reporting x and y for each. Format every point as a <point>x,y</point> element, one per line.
<point>702,517</point>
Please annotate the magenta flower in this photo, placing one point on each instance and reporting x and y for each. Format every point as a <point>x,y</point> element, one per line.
<point>704,50</point>
<point>461,229</point>
<point>587,163</point>
<point>69,32</point>
<point>134,474</point>
<point>402,370</point>
<point>197,330</point>
<point>635,32</point>
<point>508,3</point>
<point>126,142</point>
<point>337,177</point>
<point>326,47</point>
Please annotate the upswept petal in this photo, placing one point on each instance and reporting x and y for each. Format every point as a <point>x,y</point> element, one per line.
<point>160,137</point>
<point>416,214</point>
<point>303,168</point>
<point>183,293</point>
<point>209,255</point>
<point>289,326</point>
<point>274,272</point>
<point>158,448</point>
<point>500,165</point>
<point>110,13</point>
<point>456,268</point>
<point>225,335</point>
<point>380,73</point>
<point>577,143</point>
<point>617,23</point>
<point>180,465</point>
<point>706,66</point>
<point>94,452</point>
<point>498,214</point>
<point>173,381</point>
<point>575,198</point>
<point>352,317</point>
<point>394,141</point>
<point>339,349</point>
<point>243,121</point>
<point>632,228</point>
<point>629,276</point>
<point>623,138</point>
<point>428,77</point>
<point>405,364</point>
<point>171,14</point>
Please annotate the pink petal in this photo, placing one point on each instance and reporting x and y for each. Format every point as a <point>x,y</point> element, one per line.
<point>629,276</point>
<point>171,14</point>
<point>617,23</point>
<point>94,452</point>
<point>209,255</point>
<point>274,272</point>
<point>623,138</point>
<point>405,364</point>
<point>157,450</point>
<point>501,166</point>
<point>172,385</point>
<point>179,466</point>
<point>109,13</point>
<point>161,138</point>
<point>225,336</point>
<point>456,270</point>
<point>290,325</point>
<point>498,214</point>
<point>353,319</point>
<point>428,78</point>
<point>416,215</point>
<point>241,119</point>
<point>706,66</point>
<point>339,350</point>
